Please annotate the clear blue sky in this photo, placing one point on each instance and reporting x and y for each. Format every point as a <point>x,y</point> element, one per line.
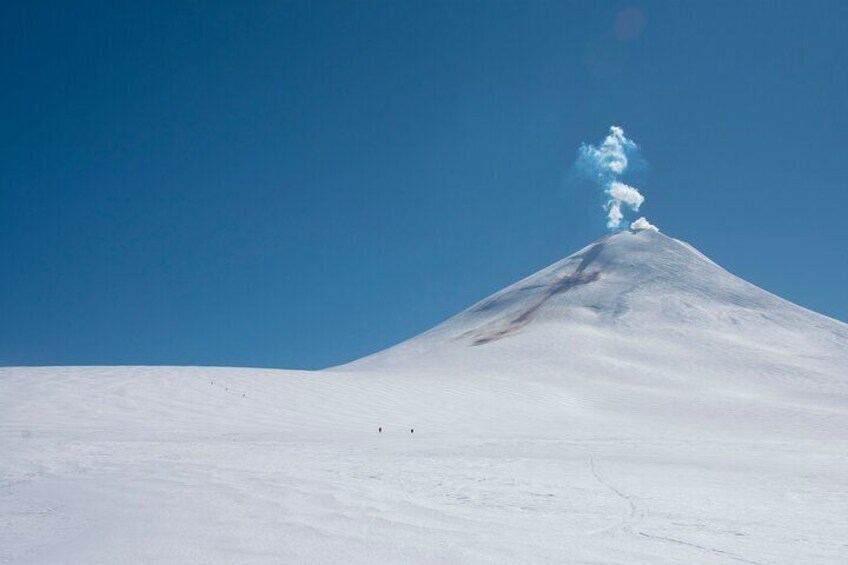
<point>297,185</point>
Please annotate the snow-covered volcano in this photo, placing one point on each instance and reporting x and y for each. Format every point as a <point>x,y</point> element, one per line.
<point>632,403</point>
<point>637,309</point>
<point>626,295</point>
<point>644,327</point>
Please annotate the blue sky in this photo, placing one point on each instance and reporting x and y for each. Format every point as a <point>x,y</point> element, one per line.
<point>297,185</point>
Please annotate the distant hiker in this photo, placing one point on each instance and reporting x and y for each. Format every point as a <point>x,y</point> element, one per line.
<point>412,431</point>
<point>380,429</point>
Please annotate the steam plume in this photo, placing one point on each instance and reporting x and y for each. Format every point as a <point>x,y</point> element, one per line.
<point>604,165</point>
<point>643,224</point>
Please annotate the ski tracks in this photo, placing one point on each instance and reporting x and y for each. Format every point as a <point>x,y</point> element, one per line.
<point>629,518</point>
<point>628,522</point>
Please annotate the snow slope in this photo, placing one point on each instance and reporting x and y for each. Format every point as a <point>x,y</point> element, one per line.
<point>632,403</point>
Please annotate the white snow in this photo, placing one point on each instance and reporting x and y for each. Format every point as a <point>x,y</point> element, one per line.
<point>633,403</point>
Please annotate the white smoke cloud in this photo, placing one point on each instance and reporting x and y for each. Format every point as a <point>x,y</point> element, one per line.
<point>614,214</point>
<point>605,164</point>
<point>643,224</point>
<point>626,194</point>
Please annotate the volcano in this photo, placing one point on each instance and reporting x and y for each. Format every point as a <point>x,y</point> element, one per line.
<point>640,286</point>
<point>636,319</point>
<point>631,403</point>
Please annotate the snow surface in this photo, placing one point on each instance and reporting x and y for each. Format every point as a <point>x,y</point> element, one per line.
<point>633,403</point>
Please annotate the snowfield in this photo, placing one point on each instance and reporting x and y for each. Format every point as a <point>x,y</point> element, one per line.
<point>633,403</point>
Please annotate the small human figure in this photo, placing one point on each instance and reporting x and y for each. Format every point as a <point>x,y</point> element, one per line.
<point>412,431</point>
<point>380,429</point>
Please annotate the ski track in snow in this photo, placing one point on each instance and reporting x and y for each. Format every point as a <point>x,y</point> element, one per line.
<point>628,522</point>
